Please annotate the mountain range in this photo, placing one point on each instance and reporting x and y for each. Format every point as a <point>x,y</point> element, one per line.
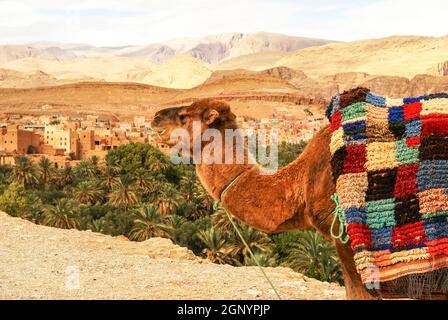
<point>185,63</point>
<point>179,63</point>
<point>210,49</point>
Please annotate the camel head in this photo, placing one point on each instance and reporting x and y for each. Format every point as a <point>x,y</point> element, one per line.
<point>211,114</point>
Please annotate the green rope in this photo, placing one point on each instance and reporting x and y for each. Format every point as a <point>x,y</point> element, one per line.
<point>338,215</point>
<point>218,205</point>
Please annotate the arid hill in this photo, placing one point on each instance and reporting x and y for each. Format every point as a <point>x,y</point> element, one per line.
<point>220,47</point>
<point>320,68</point>
<point>107,68</point>
<point>14,52</point>
<point>393,56</point>
<point>15,79</point>
<point>257,95</point>
<point>259,85</point>
<point>38,262</point>
<point>324,88</point>
<point>179,63</point>
<point>92,98</point>
<point>255,61</point>
<point>181,72</point>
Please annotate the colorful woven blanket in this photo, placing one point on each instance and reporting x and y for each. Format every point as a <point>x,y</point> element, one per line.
<point>390,165</point>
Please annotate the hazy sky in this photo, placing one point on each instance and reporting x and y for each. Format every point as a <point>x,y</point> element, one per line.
<point>123,22</point>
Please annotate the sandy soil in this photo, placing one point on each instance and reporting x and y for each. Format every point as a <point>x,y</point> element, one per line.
<point>38,262</point>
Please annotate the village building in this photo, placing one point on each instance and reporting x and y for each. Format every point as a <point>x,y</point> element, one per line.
<point>19,141</point>
<point>59,137</point>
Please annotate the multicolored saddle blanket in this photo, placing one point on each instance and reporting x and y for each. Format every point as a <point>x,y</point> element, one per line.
<point>390,165</point>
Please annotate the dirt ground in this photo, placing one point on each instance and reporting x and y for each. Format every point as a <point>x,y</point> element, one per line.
<point>38,262</point>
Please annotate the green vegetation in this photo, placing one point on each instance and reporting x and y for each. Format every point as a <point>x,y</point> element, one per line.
<point>138,193</point>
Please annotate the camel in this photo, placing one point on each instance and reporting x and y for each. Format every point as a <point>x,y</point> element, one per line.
<point>295,197</point>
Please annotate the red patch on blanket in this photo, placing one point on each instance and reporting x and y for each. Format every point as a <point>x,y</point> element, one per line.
<point>406,182</point>
<point>336,121</point>
<point>412,110</point>
<point>435,124</point>
<point>408,235</point>
<point>356,159</point>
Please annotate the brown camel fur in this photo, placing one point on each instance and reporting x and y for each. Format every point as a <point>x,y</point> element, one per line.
<point>295,197</point>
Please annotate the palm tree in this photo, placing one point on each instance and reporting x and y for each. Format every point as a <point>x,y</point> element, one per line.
<point>168,200</point>
<point>188,184</point>
<point>65,177</point>
<point>204,200</point>
<point>6,174</point>
<point>189,210</point>
<point>124,194</point>
<point>174,224</point>
<point>94,161</point>
<point>109,177</point>
<point>33,211</point>
<point>86,169</point>
<point>158,164</point>
<point>94,164</point>
<point>221,221</point>
<point>45,168</point>
<point>315,256</point>
<point>217,249</point>
<point>145,181</point>
<point>174,221</point>
<point>25,171</point>
<point>88,192</point>
<point>61,215</point>
<point>96,226</point>
<point>255,240</point>
<point>147,224</point>
<point>264,259</point>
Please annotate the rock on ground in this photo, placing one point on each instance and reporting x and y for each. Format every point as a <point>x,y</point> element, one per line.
<point>38,262</point>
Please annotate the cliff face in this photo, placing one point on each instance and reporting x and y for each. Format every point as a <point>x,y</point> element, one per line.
<point>38,262</point>
<point>405,56</point>
<point>220,47</point>
<point>397,87</point>
<point>391,86</point>
<point>442,69</point>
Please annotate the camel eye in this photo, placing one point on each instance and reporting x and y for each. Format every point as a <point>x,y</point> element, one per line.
<point>182,118</point>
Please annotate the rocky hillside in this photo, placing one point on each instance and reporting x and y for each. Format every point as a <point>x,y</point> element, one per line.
<point>180,72</point>
<point>319,67</point>
<point>15,79</point>
<point>16,52</point>
<point>256,95</point>
<point>220,47</point>
<point>327,86</point>
<point>210,49</point>
<point>38,262</point>
<point>405,56</point>
<point>181,63</point>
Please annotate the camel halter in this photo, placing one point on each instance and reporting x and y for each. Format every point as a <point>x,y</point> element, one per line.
<point>337,215</point>
<point>218,204</point>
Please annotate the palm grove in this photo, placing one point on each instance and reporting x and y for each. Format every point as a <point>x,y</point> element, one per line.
<point>139,193</point>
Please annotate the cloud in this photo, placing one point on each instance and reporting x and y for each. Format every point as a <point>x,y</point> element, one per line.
<point>375,19</point>
<point>116,22</point>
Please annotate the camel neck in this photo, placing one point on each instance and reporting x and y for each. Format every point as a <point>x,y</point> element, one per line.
<point>216,177</point>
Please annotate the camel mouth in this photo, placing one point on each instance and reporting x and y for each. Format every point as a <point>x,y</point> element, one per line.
<point>161,135</point>
<point>158,132</point>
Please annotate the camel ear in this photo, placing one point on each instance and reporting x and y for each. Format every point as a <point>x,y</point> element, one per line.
<point>210,116</point>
